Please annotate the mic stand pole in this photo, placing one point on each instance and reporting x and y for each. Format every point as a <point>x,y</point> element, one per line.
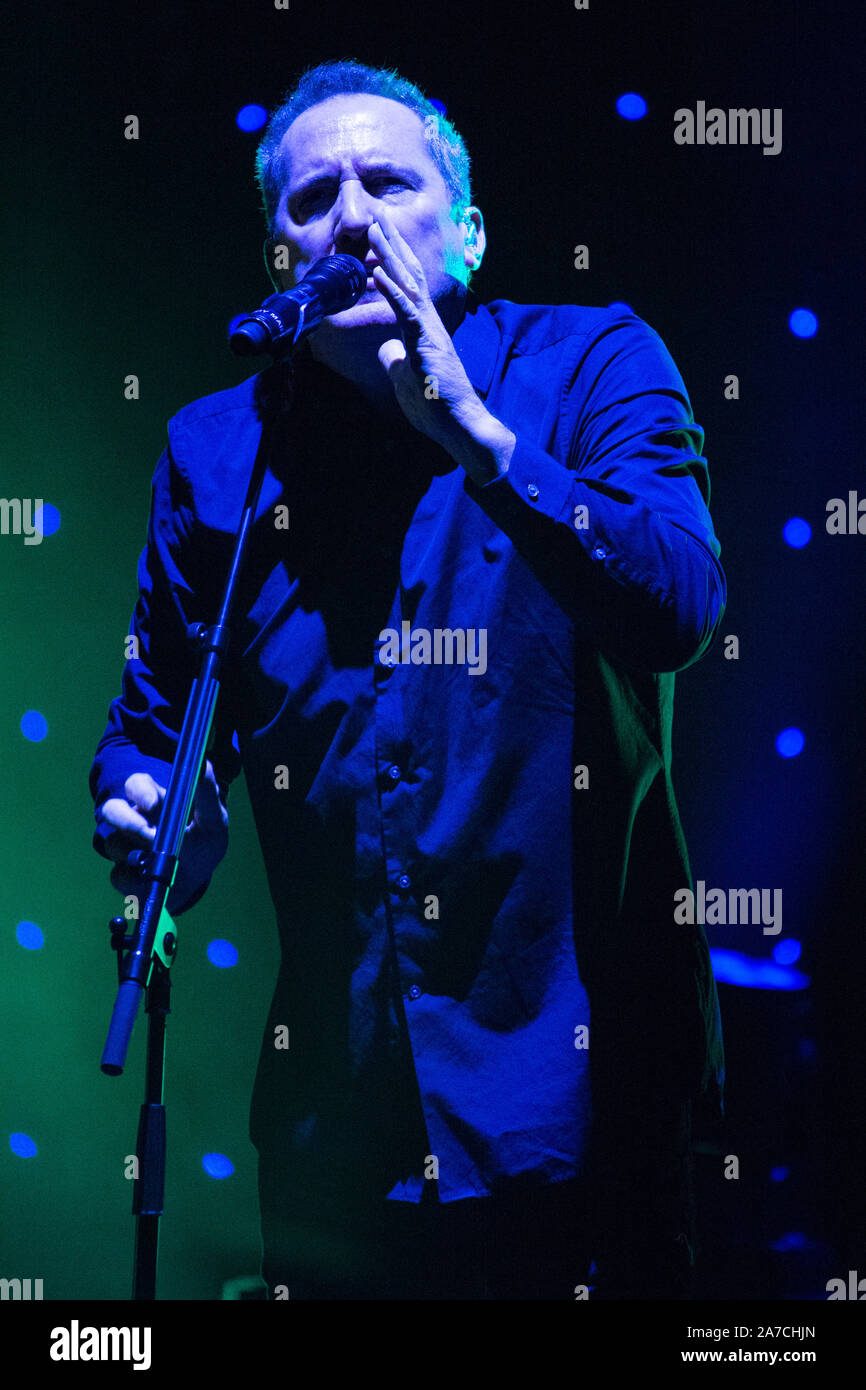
<point>144,958</point>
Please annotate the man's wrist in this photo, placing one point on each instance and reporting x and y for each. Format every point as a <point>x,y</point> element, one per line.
<point>485,448</point>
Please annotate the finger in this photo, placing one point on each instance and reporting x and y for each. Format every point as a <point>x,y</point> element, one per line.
<point>209,812</point>
<point>125,820</point>
<point>391,352</point>
<point>399,244</point>
<point>121,844</point>
<point>391,261</point>
<point>407,313</point>
<point>142,791</point>
<point>409,324</point>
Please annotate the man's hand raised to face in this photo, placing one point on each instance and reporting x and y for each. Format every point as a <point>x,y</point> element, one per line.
<point>429,380</point>
<point>133,826</point>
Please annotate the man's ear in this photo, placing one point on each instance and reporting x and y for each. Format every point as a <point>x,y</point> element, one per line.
<point>475,238</point>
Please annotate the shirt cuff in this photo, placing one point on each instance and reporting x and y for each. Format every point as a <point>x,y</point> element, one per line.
<point>533,479</point>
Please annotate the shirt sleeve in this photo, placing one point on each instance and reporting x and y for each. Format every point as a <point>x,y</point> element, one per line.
<point>617,523</point>
<point>144,721</point>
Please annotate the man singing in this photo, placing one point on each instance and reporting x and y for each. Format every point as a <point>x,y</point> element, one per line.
<point>450,689</point>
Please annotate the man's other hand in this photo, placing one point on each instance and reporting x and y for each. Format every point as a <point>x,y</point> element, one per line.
<point>132,823</point>
<point>429,380</point>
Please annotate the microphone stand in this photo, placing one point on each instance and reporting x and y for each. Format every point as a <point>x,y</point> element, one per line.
<point>144,959</point>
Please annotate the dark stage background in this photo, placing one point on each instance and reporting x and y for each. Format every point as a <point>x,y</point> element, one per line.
<point>131,257</point>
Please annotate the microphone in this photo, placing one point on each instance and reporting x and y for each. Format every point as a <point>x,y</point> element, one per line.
<point>332,284</point>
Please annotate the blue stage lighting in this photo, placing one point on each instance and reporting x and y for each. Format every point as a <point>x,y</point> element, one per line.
<point>251,117</point>
<point>47,518</point>
<point>755,972</point>
<point>217,1166</point>
<point>803,323</point>
<point>222,953</point>
<point>29,936</point>
<point>790,743</point>
<point>797,532</point>
<point>620,304</point>
<point>787,952</point>
<point>792,1240</point>
<point>779,1174</point>
<point>34,725</point>
<point>22,1145</point>
<point>631,106</point>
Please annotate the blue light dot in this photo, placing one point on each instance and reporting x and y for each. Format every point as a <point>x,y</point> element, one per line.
<point>47,519</point>
<point>217,1166</point>
<point>631,106</point>
<point>791,1240</point>
<point>779,1174</point>
<point>803,323</point>
<point>755,972</point>
<point>790,743</point>
<point>797,532</point>
<point>29,936</point>
<point>222,953</point>
<point>34,725</point>
<point>440,106</point>
<point>22,1145</point>
<point>787,952</point>
<point>251,117</point>
<point>621,305</point>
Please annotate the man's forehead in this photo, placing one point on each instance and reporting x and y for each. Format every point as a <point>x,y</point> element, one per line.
<point>369,127</point>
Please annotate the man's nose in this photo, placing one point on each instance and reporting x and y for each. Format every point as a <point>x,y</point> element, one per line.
<point>355,213</point>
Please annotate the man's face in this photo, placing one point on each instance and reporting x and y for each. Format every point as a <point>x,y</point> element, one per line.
<point>348,158</point>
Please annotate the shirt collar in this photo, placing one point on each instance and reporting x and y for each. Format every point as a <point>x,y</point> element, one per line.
<point>477,343</point>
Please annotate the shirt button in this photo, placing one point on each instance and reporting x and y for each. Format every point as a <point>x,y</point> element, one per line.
<point>532,490</point>
<point>599,553</point>
<point>404,881</point>
<point>415,991</point>
<point>394,773</point>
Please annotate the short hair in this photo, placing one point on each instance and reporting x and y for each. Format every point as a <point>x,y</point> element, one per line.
<point>348,78</point>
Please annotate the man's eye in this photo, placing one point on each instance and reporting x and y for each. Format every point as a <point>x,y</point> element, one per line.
<point>314,200</point>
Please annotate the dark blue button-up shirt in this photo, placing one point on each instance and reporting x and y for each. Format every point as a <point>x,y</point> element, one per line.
<point>452,705</point>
